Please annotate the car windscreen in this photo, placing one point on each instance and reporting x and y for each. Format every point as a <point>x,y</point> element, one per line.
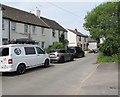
<point>78,49</point>
<point>4,51</point>
<point>71,50</point>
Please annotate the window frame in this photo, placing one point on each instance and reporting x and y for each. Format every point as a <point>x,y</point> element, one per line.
<point>42,44</point>
<point>38,48</point>
<point>29,52</point>
<point>26,28</point>
<point>43,31</point>
<point>53,33</point>
<point>13,26</point>
<point>34,29</point>
<point>3,24</point>
<point>6,53</point>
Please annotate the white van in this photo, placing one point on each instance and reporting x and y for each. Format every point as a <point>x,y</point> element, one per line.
<point>19,57</point>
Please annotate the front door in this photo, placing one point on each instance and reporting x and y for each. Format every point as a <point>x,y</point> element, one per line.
<point>40,56</point>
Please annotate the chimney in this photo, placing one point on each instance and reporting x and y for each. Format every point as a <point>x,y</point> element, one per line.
<point>36,12</point>
<point>76,30</point>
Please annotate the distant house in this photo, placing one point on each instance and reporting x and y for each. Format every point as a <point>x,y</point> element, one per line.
<point>92,43</point>
<point>18,24</point>
<point>76,38</point>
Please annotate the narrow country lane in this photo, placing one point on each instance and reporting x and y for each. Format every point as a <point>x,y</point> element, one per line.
<point>58,79</point>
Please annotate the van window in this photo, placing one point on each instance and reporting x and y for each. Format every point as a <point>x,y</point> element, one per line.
<point>29,50</point>
<point>40,51</point>
<point>4,51</point>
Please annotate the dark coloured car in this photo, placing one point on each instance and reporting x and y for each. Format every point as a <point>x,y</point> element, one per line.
<point>77,51</point>
<point>60,55</point>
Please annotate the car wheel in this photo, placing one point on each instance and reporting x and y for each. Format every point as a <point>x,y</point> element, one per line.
<point>21,69</point>
<point>81,55</point>
<point>62,60</point>
<point>47,63</point>
<point>72,58</point>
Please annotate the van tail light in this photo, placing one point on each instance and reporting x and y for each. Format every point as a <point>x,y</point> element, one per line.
<point>10,61</point>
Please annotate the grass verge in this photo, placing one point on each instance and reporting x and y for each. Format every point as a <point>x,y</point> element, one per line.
<point>101,58</point>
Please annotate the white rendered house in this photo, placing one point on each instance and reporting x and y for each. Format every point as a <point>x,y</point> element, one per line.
<point>76,38</point>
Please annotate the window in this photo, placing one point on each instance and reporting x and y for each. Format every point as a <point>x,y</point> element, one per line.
<point>4,51</point>
<point>43,44</point>
<point>59,33</point>
<point>33,29</point>
<point>40,51</point>
<point>30,50</point>
<point>80,38</point>
<point>26,28</point>
<point>85,39</point>
<point>13,26</point>
<point>3,25</point>
<point>81,45</point>
<point>53,33</point>
<point>42,30</point>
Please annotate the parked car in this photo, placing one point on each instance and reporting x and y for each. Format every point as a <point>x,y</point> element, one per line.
<point>60,55</point>
<point>96,50</point>
<point>19,57</point>
<point>77,51</point>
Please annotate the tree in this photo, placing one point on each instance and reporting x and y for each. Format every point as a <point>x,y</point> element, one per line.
<point>103,21</point>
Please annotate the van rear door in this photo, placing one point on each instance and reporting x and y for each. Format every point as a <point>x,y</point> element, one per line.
<point>4,52</point>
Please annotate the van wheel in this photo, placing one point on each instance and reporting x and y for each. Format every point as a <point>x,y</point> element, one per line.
<point>21,69</point>
<point>47,63</point>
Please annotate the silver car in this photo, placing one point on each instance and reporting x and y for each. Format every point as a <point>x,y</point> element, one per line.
<point>60,55</point>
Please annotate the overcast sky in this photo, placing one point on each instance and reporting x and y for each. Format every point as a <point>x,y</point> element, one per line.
<point>70,13</point>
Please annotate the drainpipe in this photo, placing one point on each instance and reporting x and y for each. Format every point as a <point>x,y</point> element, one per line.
<point>0,24</point>
<point>9,30</point>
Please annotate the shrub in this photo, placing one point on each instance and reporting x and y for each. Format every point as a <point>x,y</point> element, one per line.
<point>110,46</point>
<point>56,45</point>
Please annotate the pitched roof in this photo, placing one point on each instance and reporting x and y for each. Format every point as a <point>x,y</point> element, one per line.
<point>90,39</point>
<point>77,33</point>
<point>22,16</point>
<point>53,24</point>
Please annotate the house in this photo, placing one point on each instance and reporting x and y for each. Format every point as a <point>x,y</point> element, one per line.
<point>92,43</point>
<point>18,24</point>
<point>76,38</point>
<point>21,24</point>
<point>56,31</point>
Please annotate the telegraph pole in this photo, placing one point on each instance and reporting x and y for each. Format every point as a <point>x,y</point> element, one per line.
<point>0,24</point>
